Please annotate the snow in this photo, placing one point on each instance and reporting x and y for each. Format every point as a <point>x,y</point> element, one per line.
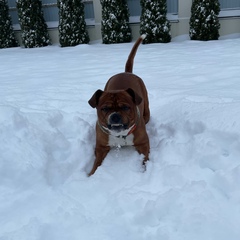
<point>190,189</point>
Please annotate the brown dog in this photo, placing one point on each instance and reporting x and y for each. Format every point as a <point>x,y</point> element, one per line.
<point>123,111</point>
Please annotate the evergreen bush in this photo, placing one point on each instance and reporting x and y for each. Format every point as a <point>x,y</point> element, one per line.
<point>7,38</point>
<point>72,25</point>
<point>204,22</point>
<point>153,21</point>
<point>33,26</point>
<point>115,22</point>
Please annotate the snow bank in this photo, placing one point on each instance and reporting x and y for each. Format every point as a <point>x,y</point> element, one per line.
<point>190,189</point>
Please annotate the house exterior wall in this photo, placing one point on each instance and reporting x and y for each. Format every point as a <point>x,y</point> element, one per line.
<point>229,26</point>
<point>229,20</point>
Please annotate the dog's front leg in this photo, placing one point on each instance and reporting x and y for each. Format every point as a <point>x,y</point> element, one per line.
<point>144,149</point>
<point>100,153</point>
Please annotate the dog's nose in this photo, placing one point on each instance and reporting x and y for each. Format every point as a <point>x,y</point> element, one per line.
<point>115,118</point>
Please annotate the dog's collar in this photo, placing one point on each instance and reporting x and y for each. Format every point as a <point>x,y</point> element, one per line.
<point>127,131</point>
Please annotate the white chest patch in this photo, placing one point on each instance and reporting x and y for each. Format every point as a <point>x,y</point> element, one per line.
<point>120,141</point>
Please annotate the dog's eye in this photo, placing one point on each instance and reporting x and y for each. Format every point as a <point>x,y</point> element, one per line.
<point>125,108</point>
<point>105,109</point>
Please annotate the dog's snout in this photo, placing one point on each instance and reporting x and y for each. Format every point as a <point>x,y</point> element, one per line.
<point>115,118</point>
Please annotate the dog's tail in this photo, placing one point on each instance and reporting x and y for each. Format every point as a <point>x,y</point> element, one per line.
<point>129,63</point>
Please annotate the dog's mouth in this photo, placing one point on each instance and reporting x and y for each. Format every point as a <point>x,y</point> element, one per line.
<point>116,123</point>
<point>117,127</point>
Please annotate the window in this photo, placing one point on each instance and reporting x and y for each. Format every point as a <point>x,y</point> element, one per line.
<point>229,4</point>
<point>51,16</point>
<point>229,8</point>
<point>50,11</point>
<point>135,9</point>
<point>89,12</point>
<point>13,11</point>
<point>172,6</point>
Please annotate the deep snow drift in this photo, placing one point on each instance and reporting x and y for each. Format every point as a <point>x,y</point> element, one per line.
<point>190,190</point>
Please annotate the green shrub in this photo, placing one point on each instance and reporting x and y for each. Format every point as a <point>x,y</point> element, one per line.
<point>115,22</point>
<point>72,25</point>
<point>204,22</point>
<point>33,26</point>
<point>7,38</point>
<point>153,21</point>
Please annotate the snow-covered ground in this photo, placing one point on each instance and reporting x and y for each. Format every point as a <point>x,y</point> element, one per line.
<point>190,190</point>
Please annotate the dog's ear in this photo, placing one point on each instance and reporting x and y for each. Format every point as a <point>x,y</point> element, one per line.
<point>93,101</point>
<point>135,97</point>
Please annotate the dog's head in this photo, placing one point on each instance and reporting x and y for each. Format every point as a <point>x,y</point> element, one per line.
<point>117,110</point>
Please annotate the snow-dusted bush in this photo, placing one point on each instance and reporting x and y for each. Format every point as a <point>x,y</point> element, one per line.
<point>72,25</point>
<point>204,22</point>
<point>153,21</point>
<point>33,25</point>
<point>115,21</point>
<point>7,38</point>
